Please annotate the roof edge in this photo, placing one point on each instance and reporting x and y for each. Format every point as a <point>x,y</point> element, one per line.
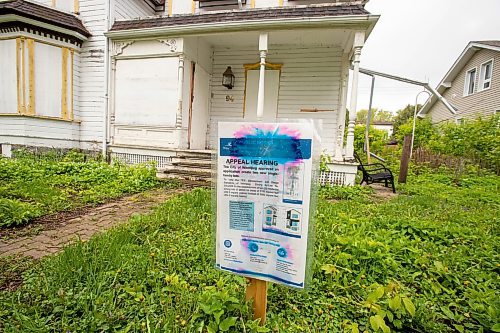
<point>366,21</point>
<point>53,27</point>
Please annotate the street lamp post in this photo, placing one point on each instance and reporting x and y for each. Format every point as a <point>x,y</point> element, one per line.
<point>415,119</point>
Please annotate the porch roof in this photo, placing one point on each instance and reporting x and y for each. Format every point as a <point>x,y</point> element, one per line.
<point>43,14</point>
<point>276,14</point>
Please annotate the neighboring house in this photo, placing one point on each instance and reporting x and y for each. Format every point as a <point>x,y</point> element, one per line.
<point>472,85</point>
<point>142,79</point>
<point>386,126</point>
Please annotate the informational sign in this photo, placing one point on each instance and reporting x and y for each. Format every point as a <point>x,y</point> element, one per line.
<point>263,199</point>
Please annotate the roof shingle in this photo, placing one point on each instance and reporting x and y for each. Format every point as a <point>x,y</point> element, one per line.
<point>242,15</point>
<point>43,14</point>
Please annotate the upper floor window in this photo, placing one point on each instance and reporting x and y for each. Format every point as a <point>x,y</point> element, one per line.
<point>485,75</point>
<point>470,82</point>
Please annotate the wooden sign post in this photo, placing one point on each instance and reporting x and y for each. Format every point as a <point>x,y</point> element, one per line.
<point>257,290</point>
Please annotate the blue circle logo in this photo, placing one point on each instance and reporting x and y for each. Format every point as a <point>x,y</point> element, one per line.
<point>253,247</point>
<point>282,252</point>
<point>227,243</point>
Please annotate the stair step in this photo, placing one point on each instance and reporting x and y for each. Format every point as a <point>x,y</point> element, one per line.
<point>186,170</point>
<point>195,155</point>
<point>204,164</point>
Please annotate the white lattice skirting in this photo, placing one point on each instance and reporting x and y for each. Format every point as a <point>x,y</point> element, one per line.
<point>331,178</point>
<point>161,161</point>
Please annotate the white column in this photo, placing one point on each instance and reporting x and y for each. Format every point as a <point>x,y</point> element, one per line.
<point>262,74</point>
<point>359,40</point>
<point>344,78</point>
<point>180,89</point>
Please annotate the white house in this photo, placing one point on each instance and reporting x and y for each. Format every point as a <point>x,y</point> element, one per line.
<point>142,79</point>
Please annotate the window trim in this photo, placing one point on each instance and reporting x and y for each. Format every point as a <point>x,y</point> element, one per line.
<point>459,120</point>
<point>481,80</point>
<point>467,82</point>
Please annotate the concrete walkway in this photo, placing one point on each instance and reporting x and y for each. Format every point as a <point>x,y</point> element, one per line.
<point>84,226</point>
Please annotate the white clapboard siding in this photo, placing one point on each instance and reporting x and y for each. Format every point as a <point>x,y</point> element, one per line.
<point>130,9</point>
<point>91,77</point>
<point>257,4</point>
<point>310,79</point>
<point>39,132</point>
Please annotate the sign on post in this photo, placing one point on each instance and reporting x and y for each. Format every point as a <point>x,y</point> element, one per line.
<point>264,177</point>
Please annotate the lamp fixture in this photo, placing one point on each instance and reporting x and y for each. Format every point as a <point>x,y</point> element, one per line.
<point>228,78</point>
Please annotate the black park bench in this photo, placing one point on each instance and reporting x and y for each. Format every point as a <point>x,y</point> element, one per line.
<point>375,173</point>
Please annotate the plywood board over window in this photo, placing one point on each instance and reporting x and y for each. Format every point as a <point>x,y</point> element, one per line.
<point>146,91</point>
<point>48,80</point>
<point>8,81</point>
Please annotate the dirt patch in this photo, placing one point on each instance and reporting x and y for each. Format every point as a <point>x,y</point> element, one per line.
<point>382,193</point>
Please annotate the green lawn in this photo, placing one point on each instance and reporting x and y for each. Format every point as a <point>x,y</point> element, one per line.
<point>425,261</point>
<point>31,187</point>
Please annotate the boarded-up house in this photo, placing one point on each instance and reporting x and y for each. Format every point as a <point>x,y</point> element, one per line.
<point>142,79</point>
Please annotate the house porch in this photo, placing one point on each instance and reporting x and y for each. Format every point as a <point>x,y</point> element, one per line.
<point>167,94</point>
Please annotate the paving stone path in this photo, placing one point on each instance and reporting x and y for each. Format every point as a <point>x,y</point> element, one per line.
<point>84,226</point>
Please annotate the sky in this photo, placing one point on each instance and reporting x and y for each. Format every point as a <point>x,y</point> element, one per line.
<point>420,40</point>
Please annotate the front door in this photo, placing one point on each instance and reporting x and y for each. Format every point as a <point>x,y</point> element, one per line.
<point>198,111</point>
<point>272,83</point>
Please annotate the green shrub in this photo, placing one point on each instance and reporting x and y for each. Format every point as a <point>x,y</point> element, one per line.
<point>378,139</point>
<point>32,186</point>
<point>477,140</point>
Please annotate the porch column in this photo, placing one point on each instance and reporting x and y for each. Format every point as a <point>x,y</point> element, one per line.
<point>262,74</point>
<point>180,81</point>
<point>344,78</point>
<point>359,40</point>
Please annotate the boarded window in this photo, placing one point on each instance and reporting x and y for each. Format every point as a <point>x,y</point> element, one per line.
<point>146,91</point>
<point>8,81</point>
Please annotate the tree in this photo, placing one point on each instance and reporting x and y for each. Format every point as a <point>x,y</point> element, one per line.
<point>377,115</point>
<point>403,115</point>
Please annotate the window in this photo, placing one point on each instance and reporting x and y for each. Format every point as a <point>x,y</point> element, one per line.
<point>470,82</point>
<point>485,75</point>
<point>459,121</point>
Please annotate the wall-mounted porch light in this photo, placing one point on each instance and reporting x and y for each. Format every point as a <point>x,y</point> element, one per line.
<point>228,78</point>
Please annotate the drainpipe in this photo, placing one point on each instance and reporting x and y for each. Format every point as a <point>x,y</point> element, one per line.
<point>262,74</point>
<point>105,128</point>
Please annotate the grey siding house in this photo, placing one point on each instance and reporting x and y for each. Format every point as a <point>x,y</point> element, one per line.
<point>472,85</point>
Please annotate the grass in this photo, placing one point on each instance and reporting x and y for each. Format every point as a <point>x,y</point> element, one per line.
<point>32,187</point>
<point>425,261</point>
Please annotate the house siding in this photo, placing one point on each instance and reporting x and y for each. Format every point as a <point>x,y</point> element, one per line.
<point>39,132</point>
<point>130,9</point>
<point>310,78</point>
<point>253,4</point>
<point>480,103</point>
<point>91,75</point>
